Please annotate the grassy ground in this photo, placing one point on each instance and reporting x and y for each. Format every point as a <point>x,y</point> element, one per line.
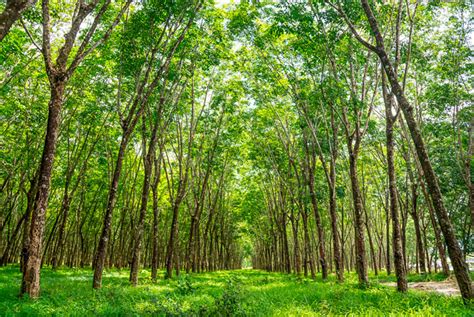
<point>230,293</point>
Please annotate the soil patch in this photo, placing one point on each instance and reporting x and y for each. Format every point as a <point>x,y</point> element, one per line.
<point>446,287</point>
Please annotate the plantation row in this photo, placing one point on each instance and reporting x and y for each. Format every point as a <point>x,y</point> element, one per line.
<point>311,138</point>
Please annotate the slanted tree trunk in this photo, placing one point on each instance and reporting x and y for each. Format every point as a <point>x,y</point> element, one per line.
<point>455,253</point>
<point>11,13</point>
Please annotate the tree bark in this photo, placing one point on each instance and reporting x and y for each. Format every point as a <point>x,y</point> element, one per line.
<point>361,257</point>
<point>31,276</point>
<point>419,239</point>
<point>148,166</point>
<point>400,272</point>
<point>455,253</point>
<point>101,253</point>
<point>11,13</point>
<point>319,227</point>
<point>332,211</point>
<point>156,213</point>
<point>170,251</point>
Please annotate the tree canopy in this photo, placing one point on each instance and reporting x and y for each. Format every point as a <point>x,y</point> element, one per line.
<point>306,137</point>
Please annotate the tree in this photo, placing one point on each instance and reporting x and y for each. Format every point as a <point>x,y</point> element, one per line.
<point>59,73</point>
<point>460,267</point>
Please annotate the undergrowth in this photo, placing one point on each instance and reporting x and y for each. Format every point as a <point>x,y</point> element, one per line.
<point>68,292</point>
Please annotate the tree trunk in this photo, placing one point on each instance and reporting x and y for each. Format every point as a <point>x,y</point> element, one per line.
<point>156,212</point>
<point>400,272</point>
<point>361,259</point>
<point>31,275</point>
<point>307,244</point>
<point>388,263</point>
<point>419,239</point>
<point>65,212</point>
<point>332,211</point>
<point>461,269</point>
<point>141,221</point>
<point>319,226</point>
<point>371,244</point>
<point>11,13</point>
<point>6,253</point>
<point>101,253</point>
<point>170,251</point>
<point>30,205</point>
<point>148,164</point>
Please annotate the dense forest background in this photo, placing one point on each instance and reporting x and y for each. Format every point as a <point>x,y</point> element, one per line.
<point>306,137</point>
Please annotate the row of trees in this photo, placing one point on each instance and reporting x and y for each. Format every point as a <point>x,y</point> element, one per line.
<point>346,129</point>
<point>137,159</point>
<point>313,136</point>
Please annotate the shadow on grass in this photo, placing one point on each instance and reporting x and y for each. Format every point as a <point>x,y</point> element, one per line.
<point>222,293</point>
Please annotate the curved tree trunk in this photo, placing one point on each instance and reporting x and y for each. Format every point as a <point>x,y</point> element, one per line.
<point>461,269</point>
<point>11,13</point>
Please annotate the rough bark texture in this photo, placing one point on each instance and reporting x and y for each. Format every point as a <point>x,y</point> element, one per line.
<point>101,253</point>
<point>455,253</point>
<point>170,252</point>
<point>399,262</point>
<point>11,13</point>
<point>361,258</point>
<point>31,276</point>
<point>419,240</point>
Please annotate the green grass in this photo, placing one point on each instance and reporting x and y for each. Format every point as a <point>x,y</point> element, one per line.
<point>227,293</point>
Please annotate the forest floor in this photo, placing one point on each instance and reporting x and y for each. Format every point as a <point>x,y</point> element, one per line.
<point>225,293</point>
<point>447,287</point>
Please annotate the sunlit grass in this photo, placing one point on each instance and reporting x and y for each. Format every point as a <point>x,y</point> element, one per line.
<point>236,293</point>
